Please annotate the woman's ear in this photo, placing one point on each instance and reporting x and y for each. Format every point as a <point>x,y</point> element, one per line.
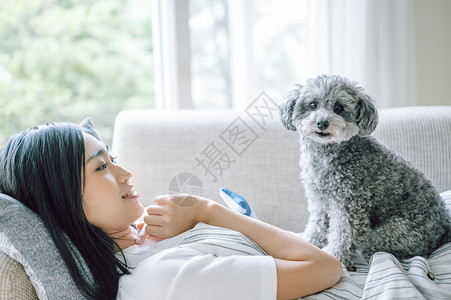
<point>286,109</point>
<point>367,117</point>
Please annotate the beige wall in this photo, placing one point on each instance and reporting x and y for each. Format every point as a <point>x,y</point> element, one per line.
<point>433,51</point>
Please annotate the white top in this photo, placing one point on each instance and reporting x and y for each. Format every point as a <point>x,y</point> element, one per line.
<point>206,262</point>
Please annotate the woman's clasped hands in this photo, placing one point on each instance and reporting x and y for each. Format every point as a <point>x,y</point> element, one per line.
<point>171,215</point>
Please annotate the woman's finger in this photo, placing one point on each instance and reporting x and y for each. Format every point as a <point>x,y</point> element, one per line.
<point>154,230</point>
<point>155,210</point>
<point>161,199</point>
<point>154,220</point>
<point>142,235</point>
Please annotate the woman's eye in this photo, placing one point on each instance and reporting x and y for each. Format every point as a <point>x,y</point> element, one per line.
<point>338,108</point>
<point>313,105</point>
<point>113,159</point>
<point>102,167</point>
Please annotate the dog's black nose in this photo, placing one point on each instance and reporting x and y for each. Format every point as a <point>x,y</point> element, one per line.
<point>323,124</point>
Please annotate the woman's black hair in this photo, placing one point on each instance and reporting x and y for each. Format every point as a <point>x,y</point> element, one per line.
<point>43,168</point>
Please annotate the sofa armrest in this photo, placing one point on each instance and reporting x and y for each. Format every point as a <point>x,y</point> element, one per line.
<point>14,282</point>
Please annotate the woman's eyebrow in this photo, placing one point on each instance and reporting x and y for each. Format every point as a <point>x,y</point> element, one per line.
<point>94,154</point>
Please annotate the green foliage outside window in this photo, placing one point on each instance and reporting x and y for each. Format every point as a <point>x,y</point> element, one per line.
<point>65,60</point>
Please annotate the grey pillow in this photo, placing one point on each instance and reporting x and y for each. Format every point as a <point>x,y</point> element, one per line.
<point>24,238</point>
<point>88,127</point>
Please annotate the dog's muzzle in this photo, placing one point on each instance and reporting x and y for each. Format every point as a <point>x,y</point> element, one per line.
<point>322,125</point>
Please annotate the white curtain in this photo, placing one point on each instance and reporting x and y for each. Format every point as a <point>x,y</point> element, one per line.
<point>368,41</point>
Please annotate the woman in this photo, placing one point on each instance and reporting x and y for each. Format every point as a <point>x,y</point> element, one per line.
<point>69,179</point>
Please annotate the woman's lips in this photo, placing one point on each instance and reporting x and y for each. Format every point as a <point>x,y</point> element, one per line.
<point>130,194</point>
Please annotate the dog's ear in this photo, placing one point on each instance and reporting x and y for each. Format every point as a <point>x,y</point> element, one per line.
<point>367,117</point>
<point>286,109</point>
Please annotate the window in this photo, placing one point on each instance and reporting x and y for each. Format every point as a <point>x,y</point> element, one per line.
<point>63,60</point>
<point>236,49</point>
<point>224,53</point>
<point>241,48</point>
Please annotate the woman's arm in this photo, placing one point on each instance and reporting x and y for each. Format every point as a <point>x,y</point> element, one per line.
<point>302,268</point>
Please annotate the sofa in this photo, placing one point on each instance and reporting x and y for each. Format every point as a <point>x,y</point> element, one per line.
<point>249,152</point>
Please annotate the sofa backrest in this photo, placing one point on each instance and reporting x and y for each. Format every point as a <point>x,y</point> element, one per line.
<point>200,151</point>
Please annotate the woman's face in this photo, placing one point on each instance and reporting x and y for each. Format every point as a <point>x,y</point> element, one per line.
<point>109,201</point>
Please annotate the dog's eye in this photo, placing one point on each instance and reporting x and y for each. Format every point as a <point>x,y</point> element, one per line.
<point>313,105</point>
<point>338,108</point>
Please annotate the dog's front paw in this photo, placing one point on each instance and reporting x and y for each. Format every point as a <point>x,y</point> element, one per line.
<point>343,256</point>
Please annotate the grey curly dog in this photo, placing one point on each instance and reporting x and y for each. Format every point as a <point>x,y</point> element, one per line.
<point>362,196</point>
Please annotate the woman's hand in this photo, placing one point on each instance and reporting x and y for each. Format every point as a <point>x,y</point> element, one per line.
<point>172,215</point>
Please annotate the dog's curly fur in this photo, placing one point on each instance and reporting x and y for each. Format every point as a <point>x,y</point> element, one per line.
<point>362,196</point>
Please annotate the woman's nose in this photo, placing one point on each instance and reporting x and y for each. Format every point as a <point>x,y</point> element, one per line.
<point>125,174</point>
